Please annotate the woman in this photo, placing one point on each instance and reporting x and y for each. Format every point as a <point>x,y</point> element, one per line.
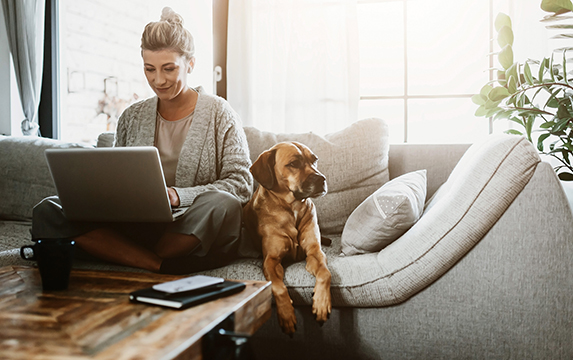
<point>205,159</point>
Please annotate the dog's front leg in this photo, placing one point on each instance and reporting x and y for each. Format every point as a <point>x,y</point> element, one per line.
<point>274,272</point>
<point>316,265</point>
<point>321,300</point>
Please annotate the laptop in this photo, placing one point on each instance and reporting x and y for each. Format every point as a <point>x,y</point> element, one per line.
<point>115,184</point>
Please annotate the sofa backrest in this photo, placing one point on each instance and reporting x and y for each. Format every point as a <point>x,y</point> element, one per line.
<point>355,161</point>
<point>438,159</point>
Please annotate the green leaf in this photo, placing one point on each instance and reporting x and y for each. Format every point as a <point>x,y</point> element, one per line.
<point>563,113</point>
<point>504,114</point>
<point>565,176</point>
<point>505,57</point>
<point>502,20</point>
<point>505,36</point>
<point>556,6</point>
<point>540,140</point>
<point>559,126</point>
<point>481,111</point>
<point>485,90</point>
<point>529,126</point>
<point>552,103</point>
<point>541,70</point>
<point>565,155</point>
<point>527,72</point>
<point>512,71</point>
<point>561,26</point>
<point>498,93</point>
<point>513,132</point>
<point>501,78</point>
<point>512,85</point>
<point>547,125</point>
<point>550,68</point>
<point>517,120</point>
<point>562,36</point>
<point>478,99</point>
<point>491,112</point>
<point>491,104</point>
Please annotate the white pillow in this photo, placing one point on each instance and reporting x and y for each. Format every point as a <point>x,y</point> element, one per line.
<point>385,215</point>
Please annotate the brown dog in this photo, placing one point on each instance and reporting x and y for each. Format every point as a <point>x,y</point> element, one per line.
<point>283,218</point>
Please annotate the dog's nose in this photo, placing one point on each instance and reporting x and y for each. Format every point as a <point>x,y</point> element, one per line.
<point>318,180</point>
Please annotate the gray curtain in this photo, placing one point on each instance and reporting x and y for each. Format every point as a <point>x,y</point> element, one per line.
<point>25,27</point>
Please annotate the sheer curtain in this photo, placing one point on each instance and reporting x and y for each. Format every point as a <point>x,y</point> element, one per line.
<point>293,65</point>
<point>25,27</point>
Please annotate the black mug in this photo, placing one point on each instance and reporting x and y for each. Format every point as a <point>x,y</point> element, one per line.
<point>54,258</point>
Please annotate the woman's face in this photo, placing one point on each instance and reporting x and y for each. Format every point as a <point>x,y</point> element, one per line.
<point>166,72</point>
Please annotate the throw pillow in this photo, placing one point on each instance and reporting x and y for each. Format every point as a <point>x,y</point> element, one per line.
<point>385,215</point>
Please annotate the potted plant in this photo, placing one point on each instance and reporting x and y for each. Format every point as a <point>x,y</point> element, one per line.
<point>536,95</point>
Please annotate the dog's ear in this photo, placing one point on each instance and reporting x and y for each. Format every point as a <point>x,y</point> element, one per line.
<point>263,169</point>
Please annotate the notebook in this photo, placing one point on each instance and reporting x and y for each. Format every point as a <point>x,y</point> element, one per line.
<point>115,184</point>
<point>186,299</point>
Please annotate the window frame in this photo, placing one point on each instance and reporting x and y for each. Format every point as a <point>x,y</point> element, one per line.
<point>49,108</point>
<point>406,96</point>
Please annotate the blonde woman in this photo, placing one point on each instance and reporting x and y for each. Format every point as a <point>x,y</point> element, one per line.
<point>205,158</point>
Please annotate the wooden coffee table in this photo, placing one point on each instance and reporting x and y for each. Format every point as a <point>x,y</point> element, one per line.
<point>94,319</point>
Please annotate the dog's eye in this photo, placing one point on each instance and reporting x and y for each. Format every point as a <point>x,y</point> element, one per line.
<point>295,164</point>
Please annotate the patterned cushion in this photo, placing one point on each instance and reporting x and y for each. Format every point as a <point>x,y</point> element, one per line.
<point>354,161</point>
<point>385,215</point>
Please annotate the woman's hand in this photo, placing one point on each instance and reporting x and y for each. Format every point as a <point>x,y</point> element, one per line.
<point>173,196</point>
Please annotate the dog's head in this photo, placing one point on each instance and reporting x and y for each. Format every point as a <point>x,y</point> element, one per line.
<point>290,166</point>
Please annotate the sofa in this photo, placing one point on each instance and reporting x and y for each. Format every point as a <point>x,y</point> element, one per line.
<point>485,272</point>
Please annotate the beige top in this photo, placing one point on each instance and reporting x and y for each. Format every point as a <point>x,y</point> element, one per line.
<point>169,139</point>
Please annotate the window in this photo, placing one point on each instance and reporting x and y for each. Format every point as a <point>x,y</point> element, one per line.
<point>100,62</point>
<point>421,61</point>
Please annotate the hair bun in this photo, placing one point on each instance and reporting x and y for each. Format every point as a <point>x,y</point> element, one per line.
<point>167,14</point>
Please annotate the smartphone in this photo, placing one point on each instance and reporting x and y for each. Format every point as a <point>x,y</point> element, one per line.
<point>187,284</point>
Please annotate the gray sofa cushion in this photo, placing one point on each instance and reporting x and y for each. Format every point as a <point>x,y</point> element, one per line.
<point>354,161</point>
<point>24,175</point>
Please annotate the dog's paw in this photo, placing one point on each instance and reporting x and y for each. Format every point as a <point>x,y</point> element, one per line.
<point>321,306</point>
<point>287,319</point>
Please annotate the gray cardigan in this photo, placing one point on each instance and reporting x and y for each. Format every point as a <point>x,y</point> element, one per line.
<point>215,154</point>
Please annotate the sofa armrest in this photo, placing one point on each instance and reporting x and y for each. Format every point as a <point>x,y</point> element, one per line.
<point>438,160</point>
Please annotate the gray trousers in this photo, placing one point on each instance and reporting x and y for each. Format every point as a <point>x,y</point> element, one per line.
<point>215,218</point>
